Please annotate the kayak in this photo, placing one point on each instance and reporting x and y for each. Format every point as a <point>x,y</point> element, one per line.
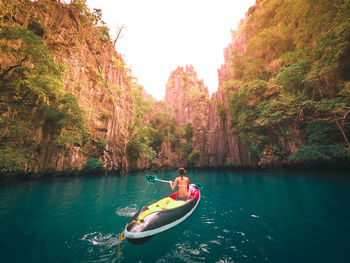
<point>160,216</point>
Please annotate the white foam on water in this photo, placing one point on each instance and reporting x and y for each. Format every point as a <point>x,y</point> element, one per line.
<point>234,248</point>
<point>204,248</point>
<point>225,259</point>
<point>184,252</point>
<point>195,251</point>
<point>128,211</point>
<point>98,239</point>
<point>241,233</point>
<point>215,242</point>
<point>208,220</point>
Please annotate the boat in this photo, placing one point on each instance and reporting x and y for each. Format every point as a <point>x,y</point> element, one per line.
<point>161,216</point>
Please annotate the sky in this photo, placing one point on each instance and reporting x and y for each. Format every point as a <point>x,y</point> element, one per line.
<point>160,35</point>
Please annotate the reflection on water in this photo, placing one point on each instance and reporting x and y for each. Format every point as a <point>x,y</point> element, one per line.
<point>241,218</point>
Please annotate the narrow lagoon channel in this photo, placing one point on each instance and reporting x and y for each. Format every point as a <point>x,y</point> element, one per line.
<point>242,217</point>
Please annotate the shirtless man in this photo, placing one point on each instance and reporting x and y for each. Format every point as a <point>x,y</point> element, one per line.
<point>182,183</point>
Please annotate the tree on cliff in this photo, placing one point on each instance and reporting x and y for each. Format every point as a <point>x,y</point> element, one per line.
<point>31,94</point>
<point>293,98</point>
<point>119,31</point>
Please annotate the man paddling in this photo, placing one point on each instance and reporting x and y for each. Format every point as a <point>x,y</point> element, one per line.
<point>182,183</point>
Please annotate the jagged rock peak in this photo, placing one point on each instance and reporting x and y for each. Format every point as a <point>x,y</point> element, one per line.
<point>236,47</point>
<point>188,78</point>
<point>183,90</point>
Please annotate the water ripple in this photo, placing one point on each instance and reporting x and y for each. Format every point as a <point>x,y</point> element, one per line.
<point>98,239</point>
<point>204,248</point>
<point>215,242</point>
<point>185,252</point>
<point>225,259</point>
<point>128,211</point>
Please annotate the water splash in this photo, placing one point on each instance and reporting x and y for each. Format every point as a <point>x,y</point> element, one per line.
<point>225,259</point>
<point>99,247</point>
<point>98,239</point>
<point>204,248</point>
<point>186,252</point>
<point>128,211</point>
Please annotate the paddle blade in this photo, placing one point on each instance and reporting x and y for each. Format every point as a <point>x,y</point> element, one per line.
<point>199,186</point>
<point>151,179</point>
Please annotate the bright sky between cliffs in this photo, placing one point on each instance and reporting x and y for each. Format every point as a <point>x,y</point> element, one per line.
<point>163,34</point>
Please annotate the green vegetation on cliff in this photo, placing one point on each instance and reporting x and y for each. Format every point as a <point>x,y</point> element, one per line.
<point>51,70</point>
<point>68,100</point>
<point>138,145</point>
<point>152,127</point>
<point>293,96</point>
<point>32,96</point>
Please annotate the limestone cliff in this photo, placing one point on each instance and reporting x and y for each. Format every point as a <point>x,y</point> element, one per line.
<point>94,72</point>
<point>231,150</point>
<point>96,76</point>
<point>68,102</point>
<point>213,144</point>
<point>283,94</point>
<point>187,99</point>
<point>183,89</point>
<point>279,77</point>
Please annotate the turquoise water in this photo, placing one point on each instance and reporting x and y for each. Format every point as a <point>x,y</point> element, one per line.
<point>242,217</point>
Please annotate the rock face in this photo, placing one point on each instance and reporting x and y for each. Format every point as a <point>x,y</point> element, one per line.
<point>212,138</point>
<point>167,158</point>
<point>182,91</point>
<point>187,99</point>
<point>95,73</point>
<point>98,79</point>
<point>237,46</point>
<point>226,149</point>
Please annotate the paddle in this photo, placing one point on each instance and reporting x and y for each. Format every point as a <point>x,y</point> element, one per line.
<point>153,179</point>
